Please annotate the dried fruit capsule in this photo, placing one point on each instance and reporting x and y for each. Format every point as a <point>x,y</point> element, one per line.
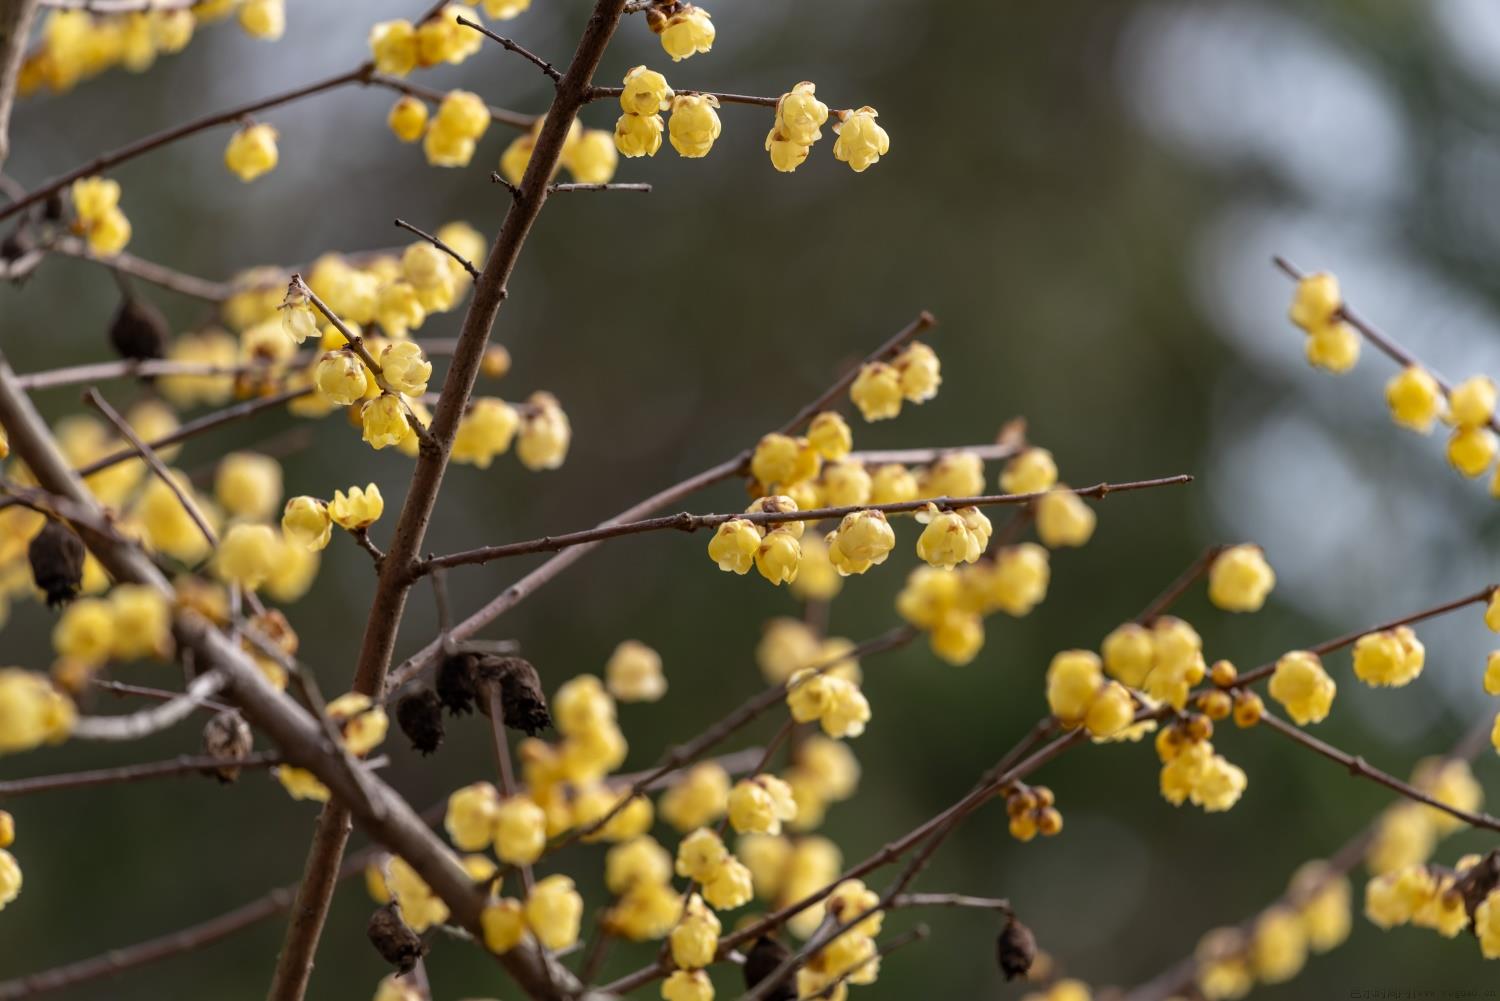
<point>56,555</point>
<point>227,735</point>
<point>420,716</point>
<point>1015,949</point>
<point>139,331</point>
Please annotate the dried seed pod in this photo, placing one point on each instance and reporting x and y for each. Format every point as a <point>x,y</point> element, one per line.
<point>1015,949</point>
<point>763,959</point>
<point>227,735</point>
<point>139,331</point>
<point>455,683</point>
<point>420,716</point>
<point>521,698</point>
<point>56,556</point>
<point>396,943</point>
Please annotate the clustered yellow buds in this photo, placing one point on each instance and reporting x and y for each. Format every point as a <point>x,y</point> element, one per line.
<point>462,117</point>
<point>1471,409</point>
<point>1389,658</point>
<point>1317,308</point>
<point>96,209</point>
<point>1164,660</point>
<point>761,804</point>
<point>1191,768</point>
<point>1032,811</point>
<point>1079,695</point>
<point>76,44</point>
<point>552,913</point>
<point>851,957</point>
<point>726,882</point>
<point>638,131</point>
<point>32,713</point>
<point>131,623</point>
<point>836,703</point>
<point>252,152</point>
<point>799,119</point>
<point>1302,687</point>
<point>879,388</point>
<point>1239,579</point>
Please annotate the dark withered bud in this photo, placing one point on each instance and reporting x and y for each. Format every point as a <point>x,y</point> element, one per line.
<point>52,208</point>
<point>455,683</point>
<point>396,943</point>
<point>420,716</point>
<point>1015,949</point>
<point>521,699</point>
<point>763,959</point>
<point>17,244</point>
<point>139,331</point>
<point>56,556</point>
<point>227,735</point>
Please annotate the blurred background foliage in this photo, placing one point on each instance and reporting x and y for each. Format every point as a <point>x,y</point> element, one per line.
<point>1087,196</point>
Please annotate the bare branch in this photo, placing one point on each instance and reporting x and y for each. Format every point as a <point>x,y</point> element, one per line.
<point>184,764</point>
<point>153,720</point>
<point>520,50</point>
<point>463,261</point>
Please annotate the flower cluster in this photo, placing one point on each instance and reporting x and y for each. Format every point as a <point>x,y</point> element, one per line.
<point>913,376</point>
<point>851,957</point>
<point>97,215</point>
<point>398,47</point>
<point>588,154</point>
<point>1032,810</point>
<point>10,869</point>
<point>1407,833</point>
<point>32,712</point>
<point>1444,900</point>
<point>75,45</point>
<point>1164,660</point>
<point>1317,307</point>
<point>1193,770</point>
<point>684,29</point>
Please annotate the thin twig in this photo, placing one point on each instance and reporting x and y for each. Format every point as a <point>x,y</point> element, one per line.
<point>686,522</point>
<point>181,765</point>
<point>566,188</point>
<point>601,93</point>
<point>520,50</point>
<point>158,694</point>
<point>154,720</point>
<point>513,119</point>
<point>463,261</point>
<point>148,271</point>
<point>1174,592</point>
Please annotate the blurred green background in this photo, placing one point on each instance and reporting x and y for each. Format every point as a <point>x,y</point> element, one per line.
<point>1087,196</point>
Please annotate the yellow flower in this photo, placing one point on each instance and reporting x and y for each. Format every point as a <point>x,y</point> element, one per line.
<point>694,124</point>
<point>800,115</point>
<point>1333,348</point>
<point>845,484</point>
<point>633,673</point>
<point>1414,398</point>
<point>1315,301</point>
<point>1393,657</point>
<point>863,539</point>
<point>1278,945</point>
<point>544,435</point>
<point>830,436</point>
<point>646,92</point>
<point>520,830</point>
<point>247,555</point>
<point>639,860</point>
<point>32,711</point>
<point>920,372</point>
<point>861,141</point>
<point>786,155</point>
<point>847,710</point>
<point>1031,471</point>
<point>504,10</point>
<point>593,158</point>
<point>248,485</point>
<point>142,622</point>
<point>700,855</point>
<point>687,32</point>
<point>305,521</point>
<point>817,578</point>
<point>384,420</point>
<point>892,484</point>
<point>502,924</point>
<point>876,391</point>
<point>948,541</point>
<point>393,46</point>
<point>688,985</point>
<point>1471,450</point>
<point>1472,402</point>
<point>10,882</point>
<point>1301,685</point>
<point>445,147</point>
<point>1018,581</point>
<point>1240,578</point>
<point>485,431</point>
<point>729,886</point>
<point>760,805</point>
<point>362,723</point>
<point>1322,898</point>
<point>700,796</point>
<point>404,368</point>
<point>1487,925</point>
<point>301,783</point>
<point>251,152</point>
<point>553,912</point>
<point>647,911</point>
<point>778,556</point>
<point>85,631</point>
<point>96,202</point>
<point>1074,678</point>
<point>1063,519</point>
<point>734,546</point>
<point>638,135</point>
<point>342,377</point>
<point>407,119</point>
<point>1110,711</point>
<point>263,18</point>
<point>470,817</point>
<point>696,937</point>
<point>1393,898</point>
<point>359,509</point>
<point>441,39</point>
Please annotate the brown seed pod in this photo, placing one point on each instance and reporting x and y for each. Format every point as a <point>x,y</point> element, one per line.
<point>420,716</point>
<point>139,331</point>
<point>1015,949</point>
<point>227,735</point>
<point>455,683</point>
<point>56,556</point>
<point>761,961</point>
<point>521,698</point>
<point>396,943</point>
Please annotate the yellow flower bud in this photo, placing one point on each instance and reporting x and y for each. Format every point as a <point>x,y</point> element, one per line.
<point>446,147</point>
<point>639,860</point>
<point>1031,471</point>
<point>694,124</point>
<point>1392,657</point>
<point>1303,688</point>
<point>404,368</point>
<point>893,484</point>
<point>85,631</point>
<point>503,925</point>
<point>1240,578</point>
<point>544,435</point>
<point>948,541</point>
<point>1020,577</point>
<point>863,539</point>
<point>1074,677</point>
<point>593,158</point>
<point>342,377</point>
<point>633,673</point>
<point>729,886</point>
<point>247,555</point>
<point>1471,450</point>
<point>384,420</point>
<point>407,119</point>
<point>305,521</point>
<point>263,18</point>
<point>142,622</point>
<point>958,637</point>
<point>861,141</point>
<point>1415,399</point>
<point>687,32</point>
<point>1315,301</point>
<point>689,985</point>
<point>1063,519</point>
<point>696,937</point>
<point>360,509</point>
<point>734,546</point>
<point>786,155</point>
<point>441,39</point>
<point>520,830</point>
<point>1129,653</point>
<point>393,46</point>
<point>1111,711</point>
<point>362,722</point>
<point>778,556</point>
<point>646,92</point>
<point>1472,402</point>
<point>1333,348</point>
<point>638,135</point>
<point>760,805</point>
<point>485,431</point>
<point>876,391</point>
<point>251,152</point>
<point>248,485</point>
<point>461,112</point>
<point>553,912</point>
<point>830,436</point>
<point>920,372</point>
<point>799,114</point>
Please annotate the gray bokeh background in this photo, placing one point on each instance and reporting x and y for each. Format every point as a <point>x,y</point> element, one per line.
<point>1087,196</point>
